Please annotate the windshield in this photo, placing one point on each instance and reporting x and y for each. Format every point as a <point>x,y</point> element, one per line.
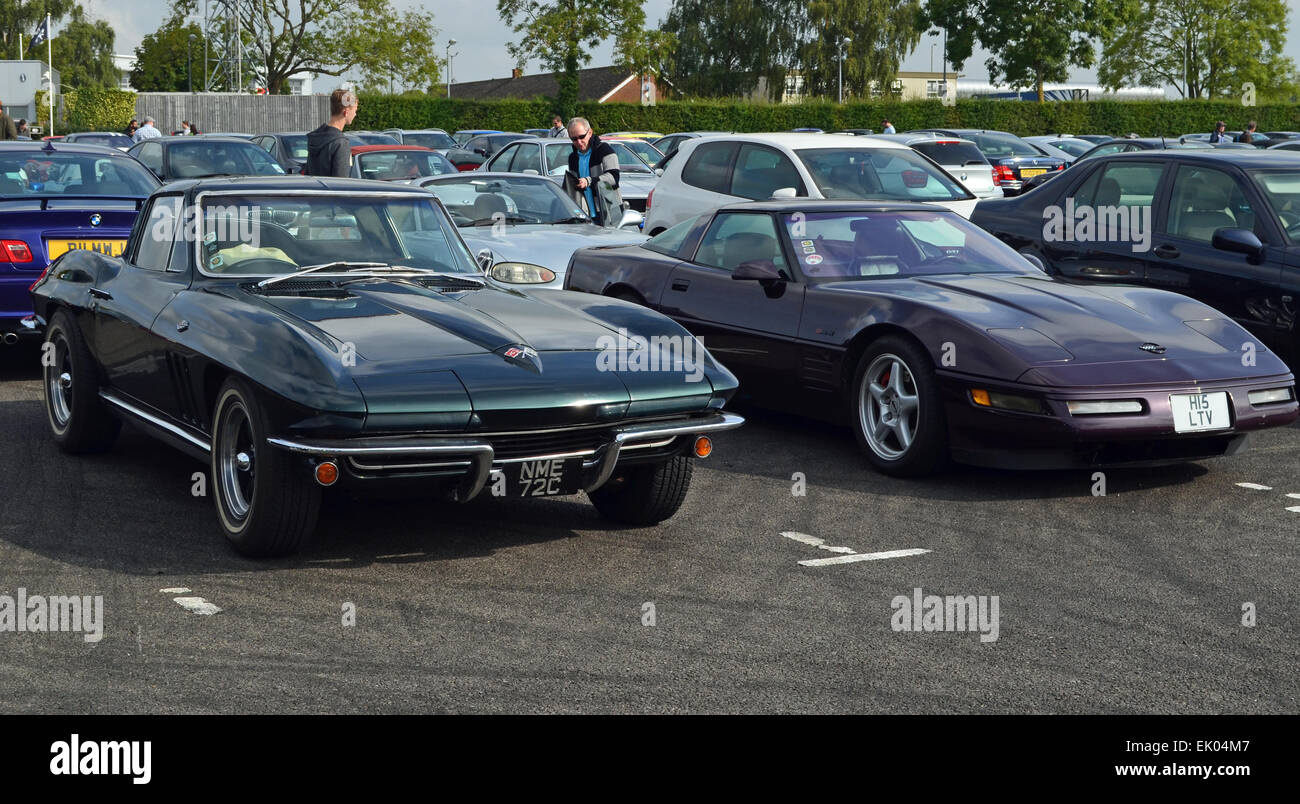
<point>643,150</point>
<point>1281,189</point>
<point>429,139</point>
<point>218,158</point>
<point>109,140</point>
<point>890,174</point>
<point>483,202</point>
<point>1002,146</point>
<point>267,234</point>
<point>951,152</point>
<point>1075,148</point>
<point>295,145</point>
<point>43,173</point>
<point>870,245</point>
<point>628,162</point>
<point>395,165</point>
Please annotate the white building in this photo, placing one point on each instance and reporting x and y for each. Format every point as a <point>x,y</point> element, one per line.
<point>19,83</point>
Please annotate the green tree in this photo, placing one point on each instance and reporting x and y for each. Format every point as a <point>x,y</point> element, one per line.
<point>561,34</point>
<point>1032,42</point>
<point>1204,49</point>
<point>83,52</point>
<point>881,34</point>
<point>22,17</point>
<point>723,47</point>
<point>330,37</point>
<point>162,57</point>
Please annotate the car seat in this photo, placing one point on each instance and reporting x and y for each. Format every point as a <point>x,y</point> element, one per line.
<point>488,204</point>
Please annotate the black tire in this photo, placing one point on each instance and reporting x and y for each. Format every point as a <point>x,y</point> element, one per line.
<point>645,495</point>
<point>79,420</point>
<point>268,503</point>
<point>908,439</point>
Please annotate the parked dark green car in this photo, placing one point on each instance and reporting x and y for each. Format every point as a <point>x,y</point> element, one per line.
<point>298,333</point>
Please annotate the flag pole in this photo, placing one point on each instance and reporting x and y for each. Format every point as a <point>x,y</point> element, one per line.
<point>20,46</point>
<point>49,52</point>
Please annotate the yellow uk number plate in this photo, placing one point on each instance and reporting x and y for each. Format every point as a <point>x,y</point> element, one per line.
<point>1027,172</point>
<point>112,248</point>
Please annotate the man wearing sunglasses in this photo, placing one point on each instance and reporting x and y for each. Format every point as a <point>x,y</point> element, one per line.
<point>593,174</point>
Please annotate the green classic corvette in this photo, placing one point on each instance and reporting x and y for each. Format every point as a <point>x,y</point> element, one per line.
<point>301,333</point>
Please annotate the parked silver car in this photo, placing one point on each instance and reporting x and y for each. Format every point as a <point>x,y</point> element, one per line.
<point>550,157</point>
<point>962,158</point>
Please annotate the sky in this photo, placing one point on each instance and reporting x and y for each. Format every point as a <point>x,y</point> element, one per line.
<point>481,37</point>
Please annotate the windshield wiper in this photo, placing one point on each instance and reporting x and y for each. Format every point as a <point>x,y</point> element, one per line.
<point>506,218</point>
<point>350,270</point>
<point>324,266</point>
<point>574,219</point>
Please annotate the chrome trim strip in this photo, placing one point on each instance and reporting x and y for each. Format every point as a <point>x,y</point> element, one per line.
<point>609,459</point>
<point>380,467</point>
<point>155,421</point>
<point>479,454</point>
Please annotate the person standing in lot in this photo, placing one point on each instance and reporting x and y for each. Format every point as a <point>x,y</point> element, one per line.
<point>889,128</point>
<point>557,126</point>
<point>24,133</point>
<point>1248,136</point>
<point>146,131</point>
<point>593,174</point>
<point>328,151</point>
<point>8,131</point>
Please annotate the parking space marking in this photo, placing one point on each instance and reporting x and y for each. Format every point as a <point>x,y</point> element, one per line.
<point>821,544</point>
<point>1295,509</point>
<point>1294,496</point>
<point>849,559</point>
<point>1255,487</point>
<point>175,590</point>
<point>197,605</point>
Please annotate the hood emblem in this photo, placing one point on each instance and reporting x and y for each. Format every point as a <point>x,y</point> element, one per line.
<point>1153,348</point>
<point>96,219</point>
<point>521,355</point>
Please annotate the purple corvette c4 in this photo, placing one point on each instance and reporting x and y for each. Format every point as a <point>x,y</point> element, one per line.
<point>56,197</point>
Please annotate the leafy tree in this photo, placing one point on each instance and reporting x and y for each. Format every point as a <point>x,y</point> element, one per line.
<point>881,34</point>
<point>1204,49</point>
<point>162,58</point>
<point>1032,41</point>
<point>83,52</point>
<point>22,17</point>
<point>725,46</point>
<point>561,34</point>
<point>330,37</point>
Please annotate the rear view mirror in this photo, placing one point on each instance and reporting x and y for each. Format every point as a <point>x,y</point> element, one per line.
<point>762,270</point>
<point>631,219</point>
<point>485,258</point>
<point>1240,241</point>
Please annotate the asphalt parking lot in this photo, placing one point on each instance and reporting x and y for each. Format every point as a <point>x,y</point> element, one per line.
<point>1131,602</point>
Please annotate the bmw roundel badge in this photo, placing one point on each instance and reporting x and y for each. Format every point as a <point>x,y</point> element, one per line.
<point>96,219</point>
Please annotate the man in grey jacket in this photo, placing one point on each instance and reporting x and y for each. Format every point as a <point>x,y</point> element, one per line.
<point>328,152</point>
<point>593,174</point>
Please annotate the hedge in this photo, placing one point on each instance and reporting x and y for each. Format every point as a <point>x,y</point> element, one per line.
<point>87,110</point>
<point>1146,118</point>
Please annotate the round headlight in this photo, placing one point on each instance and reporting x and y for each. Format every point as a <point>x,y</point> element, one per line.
<point>521,273</point>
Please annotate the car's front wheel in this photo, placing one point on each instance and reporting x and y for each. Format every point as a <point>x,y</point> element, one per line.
<point>645,495</point>
<point>78,419</point>
<point>266,503</point>
<point>897,414</point>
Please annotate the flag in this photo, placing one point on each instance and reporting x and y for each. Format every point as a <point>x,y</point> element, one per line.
<point>42,33</point>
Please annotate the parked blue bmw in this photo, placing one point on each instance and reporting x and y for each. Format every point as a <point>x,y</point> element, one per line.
<point>55,197</point>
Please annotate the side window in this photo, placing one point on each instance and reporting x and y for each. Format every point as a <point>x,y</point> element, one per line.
<point>526,157</point>
<point>267,143</point>
<point>150,154</point>
<point>709,165</point>
<point>739,237</point>
<point>761,171</point>
<point>1122,184</point>
<point>1204,200</point>
<point>557,156</point>
<point>501,161</point>
<point>162,225</point>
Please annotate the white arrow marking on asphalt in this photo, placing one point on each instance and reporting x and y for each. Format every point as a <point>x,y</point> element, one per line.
<point>1255,487</point>
<point>197,605</point>
<point>849,559</point>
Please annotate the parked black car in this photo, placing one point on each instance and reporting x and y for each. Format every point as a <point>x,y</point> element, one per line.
<point>1014,160</point>
<point>288,148</point>
<point>1121,145</point>
<point>1221,226</point>
<point>481,148</point>
<point>205,155</point>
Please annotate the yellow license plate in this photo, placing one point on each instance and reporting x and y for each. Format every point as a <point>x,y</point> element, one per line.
<point>112,248</point>
<point>1027,172</point>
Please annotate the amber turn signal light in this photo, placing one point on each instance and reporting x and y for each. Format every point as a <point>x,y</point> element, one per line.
<point>327,473</point>
<point>703,447</point>
<point>980,397</point>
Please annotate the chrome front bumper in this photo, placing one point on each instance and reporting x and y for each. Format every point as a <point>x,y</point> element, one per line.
<point>477,458</point>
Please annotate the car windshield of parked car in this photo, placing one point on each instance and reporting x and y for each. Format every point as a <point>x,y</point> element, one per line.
<point>888,174</point>
<point>951,152</point>
<point>107,140</point>
<point>881,245</point>
<point>506,200</point>
<point>44,173</point>
<point>269,234</point>
<point>429,139</point>
<point>395,165</point>
<point>1002,146</point>
<point>218,158</point>
<point>1281,189</point>
<point>629,162</point>
<point>295,145</point>
<point>644,151</point>
<point>1075,148</point>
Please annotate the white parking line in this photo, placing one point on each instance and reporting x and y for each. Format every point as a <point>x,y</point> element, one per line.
<point>821,544</point>
<point>849,559</point>
<point>1295,509</point>
<point>197,605</point>
<point>175,590</point>
<point>1294,496</point>
<point>1255,487</point>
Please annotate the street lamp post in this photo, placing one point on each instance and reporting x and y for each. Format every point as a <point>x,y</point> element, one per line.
<point>843,43</point>
<point>450,42</point>
<point>189,63</point>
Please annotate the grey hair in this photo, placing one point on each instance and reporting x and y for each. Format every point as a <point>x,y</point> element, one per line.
<point>148,119</point>
<point>582,120</point>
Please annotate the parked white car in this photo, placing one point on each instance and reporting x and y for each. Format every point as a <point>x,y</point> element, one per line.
<point>961,158</point>
<point>709,172</point>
